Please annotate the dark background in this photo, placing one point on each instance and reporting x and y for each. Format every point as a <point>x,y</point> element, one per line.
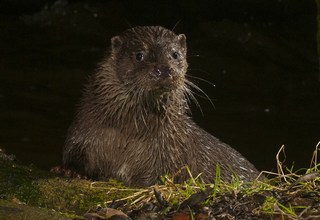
<point>260,54</point>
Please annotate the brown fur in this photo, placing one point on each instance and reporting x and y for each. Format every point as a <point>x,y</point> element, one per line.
<point>132,123</point>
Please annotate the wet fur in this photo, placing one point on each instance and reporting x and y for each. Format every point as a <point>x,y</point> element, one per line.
<point>134,127</point>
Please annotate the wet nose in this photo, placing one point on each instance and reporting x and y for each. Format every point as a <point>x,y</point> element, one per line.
<point>162,72</point>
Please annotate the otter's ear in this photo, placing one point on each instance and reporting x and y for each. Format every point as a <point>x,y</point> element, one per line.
<point>182,40</point>
<point>116,43</point>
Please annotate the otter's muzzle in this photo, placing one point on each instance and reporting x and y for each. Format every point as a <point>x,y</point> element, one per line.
<point>161,73</point>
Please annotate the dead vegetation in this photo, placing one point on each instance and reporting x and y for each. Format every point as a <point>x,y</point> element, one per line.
<point>287,194</point>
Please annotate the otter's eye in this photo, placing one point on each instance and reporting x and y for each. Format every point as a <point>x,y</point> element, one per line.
<point>139,57</point>
<point>175,55</point>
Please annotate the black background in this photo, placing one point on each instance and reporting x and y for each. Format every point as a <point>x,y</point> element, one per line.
<point>261,55</point>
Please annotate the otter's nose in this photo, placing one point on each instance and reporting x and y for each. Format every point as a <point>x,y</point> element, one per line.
<point>162,72</point>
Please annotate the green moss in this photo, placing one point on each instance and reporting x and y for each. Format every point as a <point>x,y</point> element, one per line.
<point>18,181</point>
<point>76,195</point>
<point>34,187</point>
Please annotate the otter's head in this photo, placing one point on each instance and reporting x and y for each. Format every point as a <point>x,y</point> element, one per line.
<point>150,59</point>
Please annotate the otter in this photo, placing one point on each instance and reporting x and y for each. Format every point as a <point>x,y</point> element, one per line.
<point>133,122</point>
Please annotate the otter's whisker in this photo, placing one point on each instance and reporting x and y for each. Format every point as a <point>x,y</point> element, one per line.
<point>201,79</point>
<point>177,23</point>
<point>192,85</point>
<point>193,55</point>
<point>190,96</point>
